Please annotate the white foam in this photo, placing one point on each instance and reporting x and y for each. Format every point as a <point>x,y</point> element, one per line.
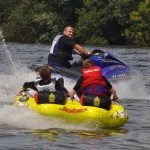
<point>134,88</point>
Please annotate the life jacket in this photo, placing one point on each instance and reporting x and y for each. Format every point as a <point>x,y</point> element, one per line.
<point>57,53</point>
<point>93,83</point>
<point>54,46</point>
<point>49,87</point>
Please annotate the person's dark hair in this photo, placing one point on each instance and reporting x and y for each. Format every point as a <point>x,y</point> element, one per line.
<point>45,72</point>
<point>87,63</point>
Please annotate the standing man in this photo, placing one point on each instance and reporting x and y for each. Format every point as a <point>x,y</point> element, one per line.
<point>62,48</point>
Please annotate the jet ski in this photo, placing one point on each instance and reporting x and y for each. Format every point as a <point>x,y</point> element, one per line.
<point>112,68</point>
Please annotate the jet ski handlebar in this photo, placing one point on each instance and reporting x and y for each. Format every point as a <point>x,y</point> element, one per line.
<point>95,52</point>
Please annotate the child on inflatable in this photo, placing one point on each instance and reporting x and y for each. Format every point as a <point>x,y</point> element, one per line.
<point>49,90</point>
<point>92,87</point>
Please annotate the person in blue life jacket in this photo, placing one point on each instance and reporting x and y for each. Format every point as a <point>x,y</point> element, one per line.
<point>62,49</point>
<point>49,90</point>
<point>92,88</point>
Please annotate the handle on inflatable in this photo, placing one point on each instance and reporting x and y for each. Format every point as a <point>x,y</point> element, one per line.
<point>116,100</point>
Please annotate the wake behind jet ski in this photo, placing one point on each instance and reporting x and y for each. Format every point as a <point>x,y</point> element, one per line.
<point>112,67</point>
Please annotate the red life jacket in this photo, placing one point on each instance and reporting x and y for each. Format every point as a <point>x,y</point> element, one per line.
<point>93,83</point>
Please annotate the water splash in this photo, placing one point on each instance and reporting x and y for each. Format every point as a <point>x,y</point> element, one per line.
<point>133,88</point>
<point>5,57</point>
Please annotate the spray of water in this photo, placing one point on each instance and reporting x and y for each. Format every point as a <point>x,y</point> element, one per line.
<point>133,88</point>
<point>5,56</point>
<point>11,115</point>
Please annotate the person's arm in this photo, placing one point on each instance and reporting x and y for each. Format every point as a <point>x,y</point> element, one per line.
<point>114,93</point>
<point>111,88</point>
<point>76,88</point>
<point>59,86</point>
<point>108,84</point>
<point>81,49</point>
<point>29,85</point>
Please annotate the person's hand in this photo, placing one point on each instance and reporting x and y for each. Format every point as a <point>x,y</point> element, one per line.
<point>72,93</point>
<point>116,99</point>
<point>23,89</point>
<point>88,53</point>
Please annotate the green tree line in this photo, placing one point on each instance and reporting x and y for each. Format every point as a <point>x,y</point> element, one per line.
<point>103,22</point>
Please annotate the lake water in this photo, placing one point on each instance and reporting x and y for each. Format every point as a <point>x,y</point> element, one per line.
<point>22,129</point>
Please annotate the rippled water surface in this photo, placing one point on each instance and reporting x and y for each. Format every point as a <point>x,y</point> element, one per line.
<point>24,129</point>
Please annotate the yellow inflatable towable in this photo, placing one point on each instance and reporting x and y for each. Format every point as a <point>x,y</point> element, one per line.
<point>74,113</point>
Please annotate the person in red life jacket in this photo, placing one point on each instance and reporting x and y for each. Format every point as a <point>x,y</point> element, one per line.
<point>92,87</point>
<point>46,85</point>
<point>62,49</point>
